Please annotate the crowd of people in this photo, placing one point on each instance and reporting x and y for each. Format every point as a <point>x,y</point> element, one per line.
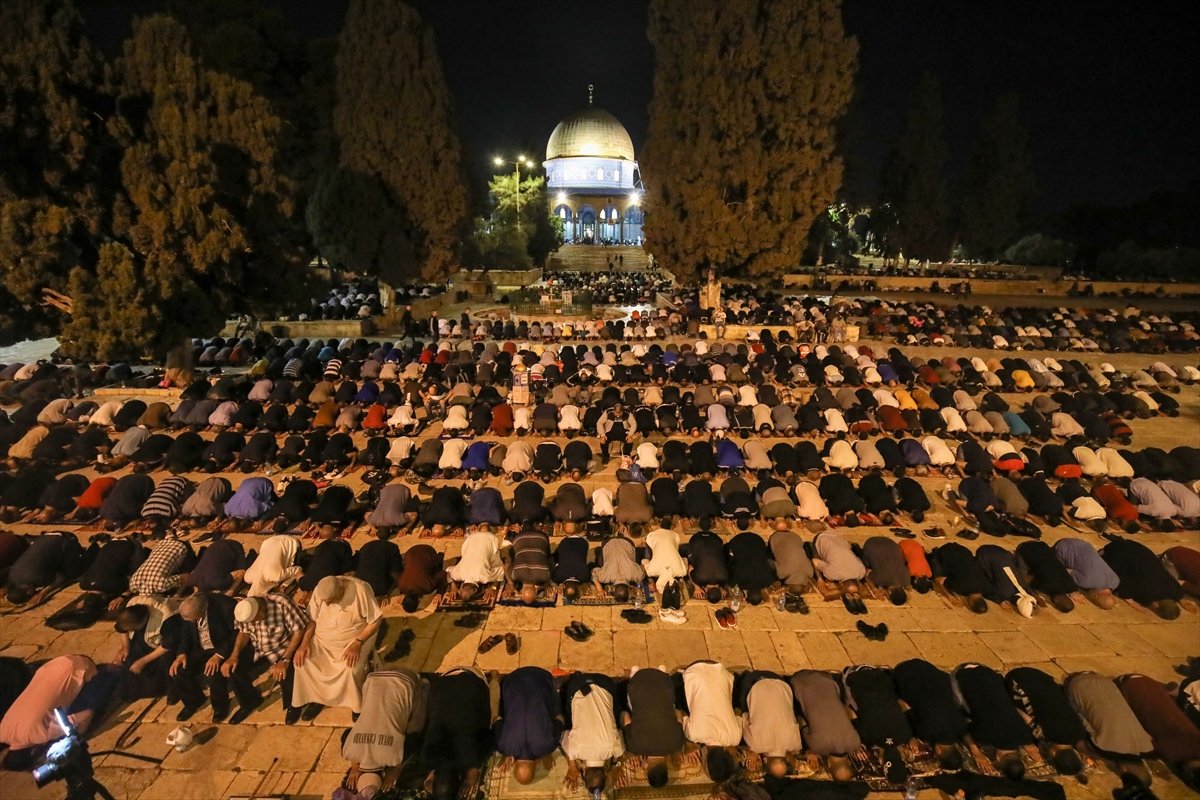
<point>769,450</point>
<point>914,322</point>
<point>633,288</point>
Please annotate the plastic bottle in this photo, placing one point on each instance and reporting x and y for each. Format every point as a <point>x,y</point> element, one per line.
<point>735,599</point>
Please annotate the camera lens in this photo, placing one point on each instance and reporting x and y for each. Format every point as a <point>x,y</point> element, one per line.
<point>46,773</point>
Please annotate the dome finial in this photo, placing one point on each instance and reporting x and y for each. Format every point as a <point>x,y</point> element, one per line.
<point>591,89</point>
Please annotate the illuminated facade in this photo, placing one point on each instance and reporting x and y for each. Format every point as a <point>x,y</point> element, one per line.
<point>593,179</point>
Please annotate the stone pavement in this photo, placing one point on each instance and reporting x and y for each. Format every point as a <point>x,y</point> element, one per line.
<point>264,757</point>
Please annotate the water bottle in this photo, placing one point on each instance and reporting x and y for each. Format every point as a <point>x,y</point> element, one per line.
<point>910,789</point>
<point>781,602</point>
<point>735,599</point>
<point>638,602</point>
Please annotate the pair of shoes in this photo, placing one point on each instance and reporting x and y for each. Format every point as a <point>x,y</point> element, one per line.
<point>934,533</point>
<point>512,643</point>
<point>637,616</point>
<point>311,711</point>
<point>186,713</point>
<point>794,604</point>
<point>854,604</point>
<point>876,633</point>
<point>672,615</point>
<point>968,534</point>
<point>490,642</point>
<point>578,631</point>
<point>726,618</point>
<point>221,716</point>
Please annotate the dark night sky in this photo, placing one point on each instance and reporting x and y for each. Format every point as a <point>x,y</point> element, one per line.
<point>1105,86</point>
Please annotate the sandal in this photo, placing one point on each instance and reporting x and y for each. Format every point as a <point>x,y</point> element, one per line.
<point>511,643</point>
<point>490,642</point>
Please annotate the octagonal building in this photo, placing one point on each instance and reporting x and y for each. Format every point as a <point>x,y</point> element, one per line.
<point>593,180</point>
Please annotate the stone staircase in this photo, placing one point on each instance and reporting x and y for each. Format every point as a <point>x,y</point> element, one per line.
<point>590,258</point>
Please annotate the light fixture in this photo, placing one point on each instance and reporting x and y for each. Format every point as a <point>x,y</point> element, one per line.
<point>562,197</point>
<point>498,161</point>
<point>635,197</point>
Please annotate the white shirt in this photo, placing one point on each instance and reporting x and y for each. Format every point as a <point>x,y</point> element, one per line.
<point>480,562</point>
<point>770,727</point>
<point>593,737</point>
<point>711,720</point>
<point>602,502</point>
<point>664,563</point>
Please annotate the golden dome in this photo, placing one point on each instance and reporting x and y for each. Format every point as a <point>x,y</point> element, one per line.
<point>591,132</point>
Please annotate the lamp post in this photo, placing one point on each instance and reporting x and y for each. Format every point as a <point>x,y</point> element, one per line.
<point>499,162</point>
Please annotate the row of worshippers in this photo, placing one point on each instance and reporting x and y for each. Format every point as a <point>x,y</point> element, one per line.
<point>209,646</point>
<point>655,719</point>
<point>918,322</point>
<point>1122,502</point>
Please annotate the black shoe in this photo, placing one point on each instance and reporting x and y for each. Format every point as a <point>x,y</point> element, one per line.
<point>222,715</point>
<point>292,715</point>
<point>866,630</point>
<point>242,714</point>
<point>311,711</point>
<point>186,713</point>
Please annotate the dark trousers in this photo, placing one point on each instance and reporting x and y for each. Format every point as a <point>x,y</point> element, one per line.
<point>260,668</point>
<point>190,684</point>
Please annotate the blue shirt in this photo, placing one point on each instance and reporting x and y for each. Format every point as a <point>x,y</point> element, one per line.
<point>1089,570</point>
<point>528,728</point>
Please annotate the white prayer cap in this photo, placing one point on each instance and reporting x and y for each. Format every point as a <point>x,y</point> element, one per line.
<point>247,609</point>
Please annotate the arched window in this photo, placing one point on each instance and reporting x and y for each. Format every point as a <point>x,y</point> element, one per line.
<point>563,212</point>
<point>633,215</point>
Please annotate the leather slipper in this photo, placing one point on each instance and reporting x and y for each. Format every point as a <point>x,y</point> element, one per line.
<point>511,643</point>
<point>574,633</point>
<point>490,642</point>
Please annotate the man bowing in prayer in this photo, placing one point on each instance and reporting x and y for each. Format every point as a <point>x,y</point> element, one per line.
<point>530,721</point>
<point>333,659</point>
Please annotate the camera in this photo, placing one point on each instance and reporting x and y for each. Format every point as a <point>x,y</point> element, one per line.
<point>68,760</point>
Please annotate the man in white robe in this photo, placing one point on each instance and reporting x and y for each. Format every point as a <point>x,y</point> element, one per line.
<point>334,657</point>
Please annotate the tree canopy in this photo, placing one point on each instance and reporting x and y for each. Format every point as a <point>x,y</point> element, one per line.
<point>914,181</point>
<point>999,183</point>
<point>397,149</point>
<point>742,155</point>
<point>498,242</point>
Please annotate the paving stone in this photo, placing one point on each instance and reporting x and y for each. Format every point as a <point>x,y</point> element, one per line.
<point>147,739</point>
<point>451,647</point>
<point>1013,646</point>
<point>1126,640</point>
<point>125,783</point>
<point>1067,640</point>
<point>320,785</point>
<point>629,650</point>
<point>539,649</point>
<point>951,649</point>
<point>20,786</point>
<point>206,785</point>
<point>895,648</point>
<point>515,618</point>
<point>1180,638</point>
<point>593,655</point>
<point>675,648</point>
<point>216,747</point>
<point>791,653</point>
<point>330,759</point>
<point>297,748</point>
<point>728,648</point>
<point>823,650</point>
<point>259,783</point>
<point>761,650</point>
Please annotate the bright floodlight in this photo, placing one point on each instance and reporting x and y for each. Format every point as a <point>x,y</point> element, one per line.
<point>635,197</point>
<point>562,197</point>
<point>498,161</point>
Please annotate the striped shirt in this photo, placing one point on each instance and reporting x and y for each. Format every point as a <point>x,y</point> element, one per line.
<point>167,498</point>
<point>272,634</point>
<point>293,368</point>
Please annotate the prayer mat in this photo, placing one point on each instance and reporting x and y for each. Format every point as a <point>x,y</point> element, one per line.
<point>498,784</point>
<point>482,602</point>
<point>589,597</point>
<point>547,597</point>
<point>984,761</point>
<point>688,780</point>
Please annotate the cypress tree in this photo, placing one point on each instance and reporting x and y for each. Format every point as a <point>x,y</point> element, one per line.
<point>55,160</point>
<point>1000,182</point>
<point>394,123</point>
<point>914,182</point>
<point>741,155</point>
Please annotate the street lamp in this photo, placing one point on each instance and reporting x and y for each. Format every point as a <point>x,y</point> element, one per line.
<point>521,160</point>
